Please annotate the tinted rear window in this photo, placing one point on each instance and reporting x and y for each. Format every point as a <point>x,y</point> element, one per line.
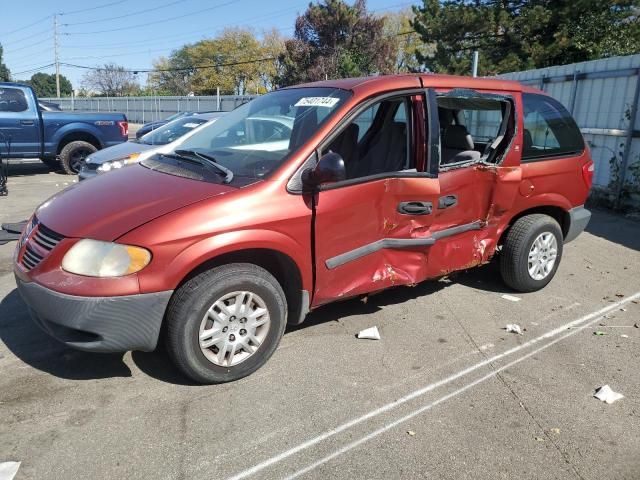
<point>549,129</point>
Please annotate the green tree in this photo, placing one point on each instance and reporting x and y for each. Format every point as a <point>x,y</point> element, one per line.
<point>44,85</point>
<point>335,40</point>
<point>407,44</point>
<point>5,74</point>
<point>235,61</point>
<point>517,34</point>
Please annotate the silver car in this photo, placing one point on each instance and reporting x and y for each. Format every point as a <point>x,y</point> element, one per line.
<point>164,138</point>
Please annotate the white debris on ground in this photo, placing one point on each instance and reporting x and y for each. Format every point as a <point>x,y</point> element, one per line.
<point>370,333</point>
<point>605,394</point>
<point>513,328</point>
<point>8,470</point>
<point>511,298</point>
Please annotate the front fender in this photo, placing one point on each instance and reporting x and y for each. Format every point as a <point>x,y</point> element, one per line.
<point>212,247</point>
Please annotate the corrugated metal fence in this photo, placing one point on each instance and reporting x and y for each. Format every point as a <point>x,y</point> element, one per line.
<point>149,109</point>
<point>602,95</point>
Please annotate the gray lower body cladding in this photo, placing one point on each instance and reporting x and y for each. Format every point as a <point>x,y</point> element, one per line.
<point>579,219</point>
<point>97,324</point>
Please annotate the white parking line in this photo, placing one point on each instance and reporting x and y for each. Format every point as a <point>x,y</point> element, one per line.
<point>585,320</point>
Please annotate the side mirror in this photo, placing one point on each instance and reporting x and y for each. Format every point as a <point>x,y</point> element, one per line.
<point>330,169</point>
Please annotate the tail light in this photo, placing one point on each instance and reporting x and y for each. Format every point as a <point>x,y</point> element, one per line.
<point>124,128</point>
<point>587,173</point>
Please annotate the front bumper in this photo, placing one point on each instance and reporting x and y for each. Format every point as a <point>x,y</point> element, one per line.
<point>578,220</point>
<point>86,173</point>
<point>97,324</point>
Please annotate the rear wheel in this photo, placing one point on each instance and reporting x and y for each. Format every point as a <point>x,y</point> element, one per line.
<point>73,155</point>
<point>531,253</point>
<point>225,323</point>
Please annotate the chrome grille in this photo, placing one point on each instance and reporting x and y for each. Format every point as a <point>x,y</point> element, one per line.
<point>39,244</point>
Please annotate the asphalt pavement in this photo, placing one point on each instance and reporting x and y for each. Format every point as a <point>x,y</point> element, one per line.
<point>446,393</point>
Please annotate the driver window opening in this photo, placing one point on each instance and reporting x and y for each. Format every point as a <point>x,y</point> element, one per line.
<point>376,141</point>
<point>471,130</point>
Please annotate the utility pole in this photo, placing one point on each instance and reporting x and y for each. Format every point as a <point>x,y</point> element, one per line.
<point>474,66</point>
<point>55,53</point>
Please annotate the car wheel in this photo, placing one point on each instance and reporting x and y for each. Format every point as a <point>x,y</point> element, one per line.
<point>225,323</point>
<point>73,155</point>
<point>531,252</point>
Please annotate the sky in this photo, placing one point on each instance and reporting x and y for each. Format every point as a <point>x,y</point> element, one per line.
<point>132,33</point>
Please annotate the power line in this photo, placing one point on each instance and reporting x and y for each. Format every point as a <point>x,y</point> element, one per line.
<point>156,22</point>
<point>93,8</point>
<point>33,70</point>
<point>185,69</point>
<point>31,45</point>
<point>155,40</point>
<point>156,7</point>
<point>48,30</point>
<point>27,26</point>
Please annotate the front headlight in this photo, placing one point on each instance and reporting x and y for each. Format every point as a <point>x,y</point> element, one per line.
<point>119,163</point>
<point>94,258</point>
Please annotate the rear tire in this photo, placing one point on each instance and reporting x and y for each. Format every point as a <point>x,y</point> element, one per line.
<point>531,252</point>
<point>73,154</point>
<point>213,319</point>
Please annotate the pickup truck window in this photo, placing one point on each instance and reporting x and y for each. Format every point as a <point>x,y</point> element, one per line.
<point>12,100</point>
<point>549,129</point>
<point>375,141</point>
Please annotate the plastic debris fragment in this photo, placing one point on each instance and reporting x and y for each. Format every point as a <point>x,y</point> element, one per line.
<point>370,333</point>
<point>8,470</point>
<point>605,394</point>
<point>511,298</point>
<point>513,328</point>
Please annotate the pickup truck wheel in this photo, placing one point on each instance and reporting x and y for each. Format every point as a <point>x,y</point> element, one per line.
<point>73,154</point>
<point>225,323</point>
<point>531,253</point>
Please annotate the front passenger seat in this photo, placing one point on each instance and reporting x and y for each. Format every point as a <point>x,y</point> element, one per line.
<point>457,146</point>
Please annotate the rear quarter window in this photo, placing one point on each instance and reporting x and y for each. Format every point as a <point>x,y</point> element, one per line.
<point>549,129</point>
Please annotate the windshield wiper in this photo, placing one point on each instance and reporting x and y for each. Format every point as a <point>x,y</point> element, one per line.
<point>208,161</point>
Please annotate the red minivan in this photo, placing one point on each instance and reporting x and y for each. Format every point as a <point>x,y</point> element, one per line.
<point>304,196</point>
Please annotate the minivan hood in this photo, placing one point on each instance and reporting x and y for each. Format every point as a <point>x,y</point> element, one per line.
<point>121,150</point>
<point>110,205</point>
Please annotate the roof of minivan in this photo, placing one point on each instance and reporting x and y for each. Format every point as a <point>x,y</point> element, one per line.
<point>426,79</point>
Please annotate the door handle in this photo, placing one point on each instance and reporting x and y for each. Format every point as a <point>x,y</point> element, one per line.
<point>415,208</point>
<point>447,201</point>
<point>26,122</point>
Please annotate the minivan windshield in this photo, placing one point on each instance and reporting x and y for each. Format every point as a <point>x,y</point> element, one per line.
<point>171,131</point>
<point>257,137</point>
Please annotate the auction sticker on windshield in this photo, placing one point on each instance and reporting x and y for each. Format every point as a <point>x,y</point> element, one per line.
<point>191,125</point>
<point>317,102</point>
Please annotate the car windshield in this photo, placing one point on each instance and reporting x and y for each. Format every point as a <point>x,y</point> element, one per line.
<point>171,131</point>
<point>257,137</point>
<point>175,116</point>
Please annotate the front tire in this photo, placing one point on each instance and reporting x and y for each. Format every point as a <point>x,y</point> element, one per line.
<point>531,253</point>
<point>73,154</point>
<point>225,323</point>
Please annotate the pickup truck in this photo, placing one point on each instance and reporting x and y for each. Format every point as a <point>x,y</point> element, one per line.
<point>57,138</point>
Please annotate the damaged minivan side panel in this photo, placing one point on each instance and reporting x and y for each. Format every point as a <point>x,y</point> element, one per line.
<point>476,183</point>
